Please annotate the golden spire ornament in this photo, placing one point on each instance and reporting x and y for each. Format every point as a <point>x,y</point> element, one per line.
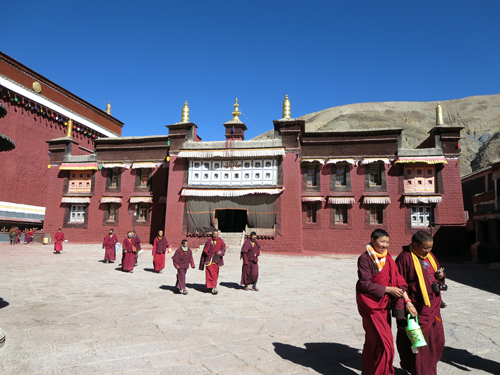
<point>236,113</point>
<point>286,108</point>
<point>439,115</point>
<point>185,112</point>
<point>69,130</point>
<point>108,108</point>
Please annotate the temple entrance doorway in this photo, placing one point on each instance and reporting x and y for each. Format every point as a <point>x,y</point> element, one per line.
<point>231,220</point>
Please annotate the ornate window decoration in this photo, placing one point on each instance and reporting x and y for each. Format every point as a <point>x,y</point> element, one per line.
<point>77,213</point>
<point>421,215</point>
<point>419,179</point>
<point>233,172</point>
<point>80,181</point>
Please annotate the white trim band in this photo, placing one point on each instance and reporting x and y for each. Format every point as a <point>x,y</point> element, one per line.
<point>321,161</point>
<point>111,200</point>
<point>373,160</point>
<point>63,111</point>
<point>335,161</point>
<point>75,200</point>
<point>230,153</point>
<point>141,200</point>
<point>145,165</point>
<point>313,199</point>
<point>428,199</point>
<point>228,192</point>
<point>376,200</point>
<point>341,200</point>
<point>116,165</point>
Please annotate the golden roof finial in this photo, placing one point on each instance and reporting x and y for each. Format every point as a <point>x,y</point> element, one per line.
<point>185,112</point>
<point>236,113</point>
<point>69,129</point>
<point>439,115</point>
<point>286,108</point>
<point>108,108</point>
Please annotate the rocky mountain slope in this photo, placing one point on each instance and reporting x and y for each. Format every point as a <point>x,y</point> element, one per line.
<point>479,115</point>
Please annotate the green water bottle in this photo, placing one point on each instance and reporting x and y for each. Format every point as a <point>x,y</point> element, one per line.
<point>414,332</point>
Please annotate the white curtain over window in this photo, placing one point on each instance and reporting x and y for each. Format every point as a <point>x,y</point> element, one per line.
<point>313,199</point>
<point>341,200</point>
<point>141,200</point>
<point>376,200</point>
<point>428,199</point>
<point>111,200</point>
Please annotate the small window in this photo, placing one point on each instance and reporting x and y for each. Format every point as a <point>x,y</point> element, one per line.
<point>216,175</point>
<point>340,176</point>
<point>196,175</point>
<point>311,176</point>
<point>207,165</point>
<point>257,175</point>
<point>376,214</point>
<point>144,177</point>
<point>311,214</point>
<point>77,213</point>
<point>226,176</point>
<point>236,175</point>
<point>114,177</point>
<point>421,215</point>
<point>142,212</point>
<point>247,176</point>
<point>374,176</point>
<point>205,176</point>
<point>196,165</point>
<point>80,182</point>
<point>340,214</point>
<point>268,175</point>
<point>112,211</point>
<point>257,164</point>
<point>247,164</point>
<point>216,165</point>
<point>268,164</point>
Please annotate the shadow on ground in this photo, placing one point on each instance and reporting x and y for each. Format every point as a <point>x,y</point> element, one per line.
<point>232,285</point>
<point>478,276</point>
<point>3,303</point>
<point>171,288</point>
<point>325,358</point>
<point>150,270</point>
<point>465,361</point>
<point>198,287</point>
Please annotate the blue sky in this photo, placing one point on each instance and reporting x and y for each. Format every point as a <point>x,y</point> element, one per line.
<point>148,57</point>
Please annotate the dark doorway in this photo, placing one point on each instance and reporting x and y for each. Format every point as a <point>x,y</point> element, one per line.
<point>231,220</point>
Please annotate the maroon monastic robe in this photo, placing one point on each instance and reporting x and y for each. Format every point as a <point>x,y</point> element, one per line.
<point>374,306</point>
<point>425,361</point>
<point>210,255</point>
<point>19,234</point>
<point>159,248</point>
<point>182,260</point>
<point>109,244</point>
<point>250,255</point>
<point>59,237</point>
<point>129,252</point>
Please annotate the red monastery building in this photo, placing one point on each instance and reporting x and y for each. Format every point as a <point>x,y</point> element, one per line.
<point>38,110</point>
<point>300,191</point>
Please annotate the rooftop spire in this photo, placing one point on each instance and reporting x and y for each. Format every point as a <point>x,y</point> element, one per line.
<point>439,115</point>
<point>69,129</point>
<point>185,112</point>
<point>286,108</point>
<point>108,108</point>
<point>236,113</point>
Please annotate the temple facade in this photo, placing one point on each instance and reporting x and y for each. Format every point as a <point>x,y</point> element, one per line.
<point>300,191</point>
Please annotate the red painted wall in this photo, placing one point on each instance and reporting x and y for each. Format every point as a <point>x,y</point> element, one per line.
<point>25,177</point>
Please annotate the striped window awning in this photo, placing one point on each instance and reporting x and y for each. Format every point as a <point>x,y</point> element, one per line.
<point>421,159</point>
<point>341,200</point>
<point>228,192</point>
<point>310,160</point>
<point>78,166</point>
<point>374,160</point>
<point>376,200</point>
<point>141,200</point>
<point>148,164</point>
<point>116,165</point>
<point>423,199</point>
<point>335,161</point>
<point>313,199</point>
<point>75,200</point>
<point>111,200</point>
<point>223,153</point>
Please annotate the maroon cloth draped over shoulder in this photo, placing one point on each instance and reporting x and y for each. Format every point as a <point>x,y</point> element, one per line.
<point>59,237</point>
<point>129,255</point>
<point>108,244</point>
<point>137,242</point>
<point>182,260</point>
<point>159,248</point>
<point>425,361</point>
<point>378,350</point>
<point>250,269</point>
<point>210,253</point>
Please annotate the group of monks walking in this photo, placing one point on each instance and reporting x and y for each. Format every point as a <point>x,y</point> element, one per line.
<point>212,258</point>
<point>410,286</point>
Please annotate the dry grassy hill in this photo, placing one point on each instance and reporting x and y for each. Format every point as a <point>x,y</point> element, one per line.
<point>479,115</point>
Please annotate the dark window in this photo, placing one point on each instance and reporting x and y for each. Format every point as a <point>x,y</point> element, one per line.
<point>375,177</point>
<point>311,212</point>
<point>339,214</point>
<point>311,176</point>
<point>376,214</point>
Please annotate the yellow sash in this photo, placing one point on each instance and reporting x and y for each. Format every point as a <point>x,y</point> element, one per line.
<point>420,274</point>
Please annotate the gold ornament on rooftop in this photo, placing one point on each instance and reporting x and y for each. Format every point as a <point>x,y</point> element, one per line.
<point>236,113</point>
<point>108,108</point>
<point>439,115</point>
<point>185,113</point>
<point>286,108</point>
<point>69,129</point>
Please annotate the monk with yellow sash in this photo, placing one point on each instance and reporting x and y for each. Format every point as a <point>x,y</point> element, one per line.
<point>425,279</point>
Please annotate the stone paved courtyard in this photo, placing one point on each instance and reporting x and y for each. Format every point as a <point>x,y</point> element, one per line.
<point>73,314</point>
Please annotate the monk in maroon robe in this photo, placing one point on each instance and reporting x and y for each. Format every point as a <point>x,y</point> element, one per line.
<point>421,270</point>
<point>129,251</point>
<point>137,244</point>
<point>59,239</point>
<point>29,236</point>
<point>109,244</point>
<point>212,260</point>
<point>160,245</point>
<point>379,286</point>
<point>183,257</point>
<point>19,234</point>
<point>250,254</point>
